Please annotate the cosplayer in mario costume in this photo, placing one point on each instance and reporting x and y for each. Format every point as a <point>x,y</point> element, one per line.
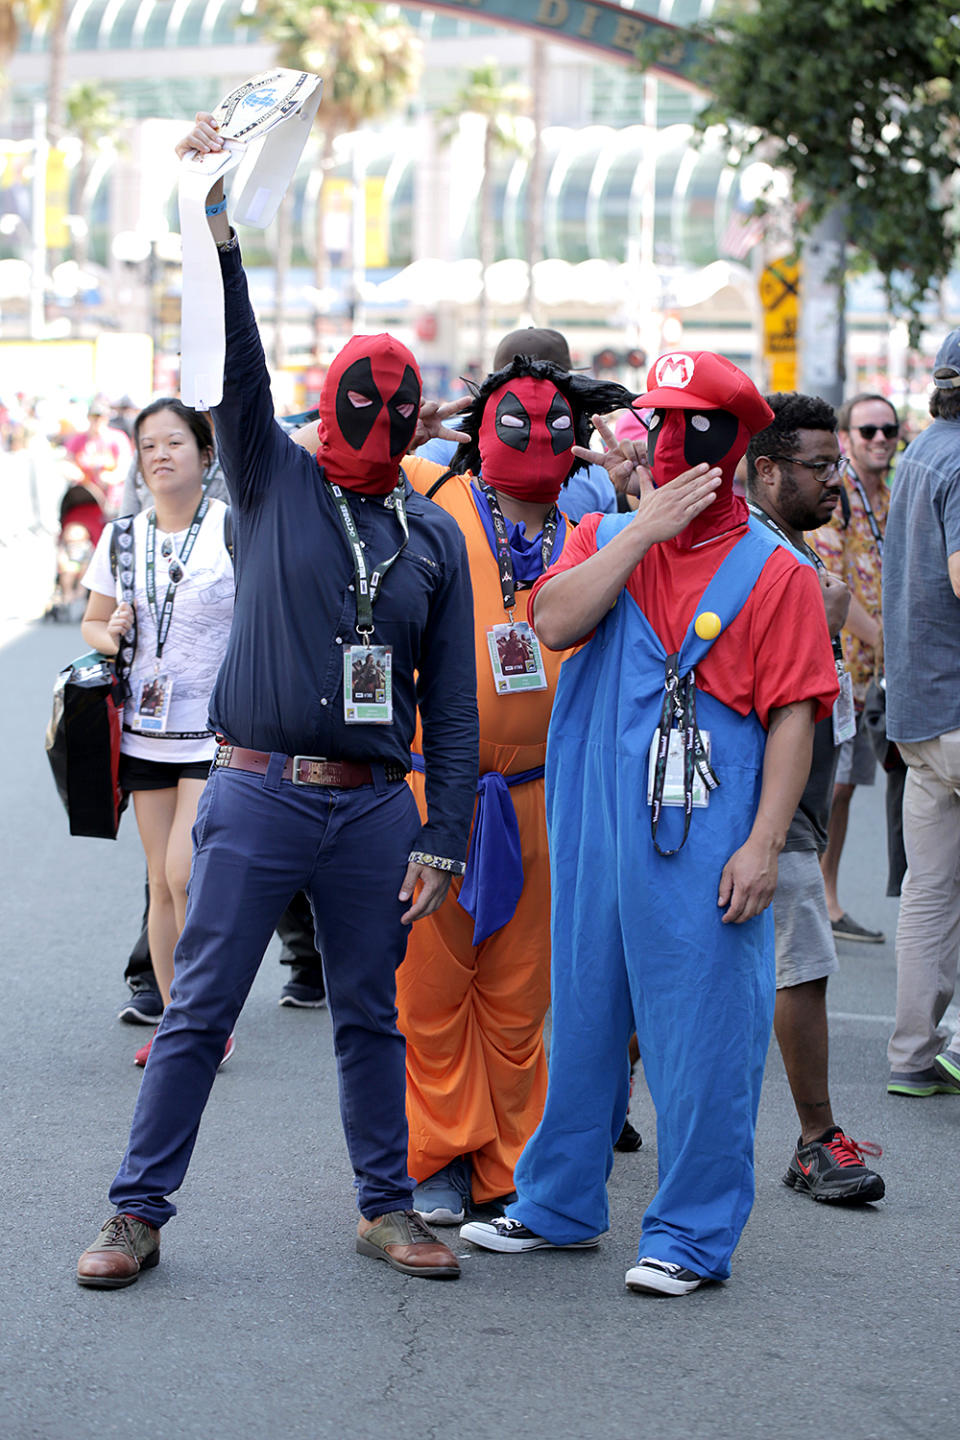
<point>474,988</point>
<point>663,852</point>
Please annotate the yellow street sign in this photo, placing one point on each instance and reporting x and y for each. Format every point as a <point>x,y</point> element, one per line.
<point>779,295</point>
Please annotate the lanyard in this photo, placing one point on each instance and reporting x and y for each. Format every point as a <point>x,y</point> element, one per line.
<point>163,617</point>
<point>368,584</point>
<point>871,518</point>
<point>680,705</point>
<point>504,558</point>
<point>804,549</point>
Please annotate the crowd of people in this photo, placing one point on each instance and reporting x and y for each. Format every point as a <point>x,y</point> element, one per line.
<point>513,724</point>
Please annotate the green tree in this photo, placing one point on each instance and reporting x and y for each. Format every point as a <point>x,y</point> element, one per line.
<point>370,62</point>
<point>498,105</point>
<point>16,13</point>
<point>859,100</point>
<point>91,117</point>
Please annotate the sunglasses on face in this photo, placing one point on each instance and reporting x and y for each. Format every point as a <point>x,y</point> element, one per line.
<point>890,432</point>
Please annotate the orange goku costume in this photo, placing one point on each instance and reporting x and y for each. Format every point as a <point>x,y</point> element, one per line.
<point>474,987</point>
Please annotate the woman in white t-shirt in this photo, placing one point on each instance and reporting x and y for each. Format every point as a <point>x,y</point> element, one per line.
<point>182,591</point>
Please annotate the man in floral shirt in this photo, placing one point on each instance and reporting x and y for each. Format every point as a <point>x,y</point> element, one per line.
<point>852,548</point>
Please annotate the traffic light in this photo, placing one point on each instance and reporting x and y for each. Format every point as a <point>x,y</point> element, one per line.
<point>609,359</point>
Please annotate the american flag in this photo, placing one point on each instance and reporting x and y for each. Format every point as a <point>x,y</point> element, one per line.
<point>744,230</point>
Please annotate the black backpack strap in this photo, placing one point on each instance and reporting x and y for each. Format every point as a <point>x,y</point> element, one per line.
<point>123,523</point>
<point>228,533</point>
<point>441,480</point>
<point>845,506</point>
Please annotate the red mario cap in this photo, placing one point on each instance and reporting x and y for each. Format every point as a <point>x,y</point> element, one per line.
<point>700,379</point>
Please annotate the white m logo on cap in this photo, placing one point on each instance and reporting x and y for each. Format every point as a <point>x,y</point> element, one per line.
<point>675,370</point>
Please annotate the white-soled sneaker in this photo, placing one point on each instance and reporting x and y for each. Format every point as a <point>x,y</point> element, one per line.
<point>511,1236</point>
<point>659,1277</point>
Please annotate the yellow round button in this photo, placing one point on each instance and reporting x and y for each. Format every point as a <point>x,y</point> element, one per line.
<point>708,625</point>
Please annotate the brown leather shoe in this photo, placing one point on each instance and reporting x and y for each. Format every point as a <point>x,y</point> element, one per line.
<point>124,1247</point>
<point>410,1246</point>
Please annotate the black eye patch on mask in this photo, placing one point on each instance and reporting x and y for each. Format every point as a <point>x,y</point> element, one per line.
<point>403,426</point>
<point>560,438</point>
<point>356,422</point>
<point>708,435</point>
<point>516,436</point>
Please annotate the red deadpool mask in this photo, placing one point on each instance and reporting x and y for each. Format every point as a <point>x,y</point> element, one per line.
<point>680,439</point>
<point>368,410</point>
<point>525,440</point>
<point>705,410</point>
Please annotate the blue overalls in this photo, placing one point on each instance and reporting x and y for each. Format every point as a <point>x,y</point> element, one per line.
<point>638,943</point>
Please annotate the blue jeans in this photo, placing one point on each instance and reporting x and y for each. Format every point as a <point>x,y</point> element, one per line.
<point>257,841</point>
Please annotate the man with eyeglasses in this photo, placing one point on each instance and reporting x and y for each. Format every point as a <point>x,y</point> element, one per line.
<point>921,604</point>
<point>851,546</point>
<point>793,484</point>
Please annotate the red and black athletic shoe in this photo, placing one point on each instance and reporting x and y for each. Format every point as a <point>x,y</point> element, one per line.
<point>831,1169</point>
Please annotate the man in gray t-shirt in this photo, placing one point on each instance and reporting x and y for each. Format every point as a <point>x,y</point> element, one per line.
<point>792,484</point>
<point>921,628</point>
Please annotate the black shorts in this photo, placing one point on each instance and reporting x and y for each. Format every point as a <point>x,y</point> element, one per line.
<point>138,774</point>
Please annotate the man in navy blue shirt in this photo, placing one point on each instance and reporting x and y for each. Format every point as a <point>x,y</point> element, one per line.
<point>353,609</point>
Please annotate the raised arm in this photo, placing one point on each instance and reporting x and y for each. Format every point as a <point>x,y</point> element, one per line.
<point>250,442</point>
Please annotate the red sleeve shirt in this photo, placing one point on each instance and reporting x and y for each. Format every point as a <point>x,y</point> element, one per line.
<point>775,652</point>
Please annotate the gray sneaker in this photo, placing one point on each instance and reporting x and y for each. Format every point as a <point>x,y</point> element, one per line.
<point>442,1198</point>
<point>124,1247</point>
<point>947,1065</point>
<point>921,1083</point>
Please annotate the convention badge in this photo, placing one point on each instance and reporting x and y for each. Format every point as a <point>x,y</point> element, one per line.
<point>368,684</point>
<point>265,123</point>
<point>844,715</point>
<point>153,706</point>
<point>673,778</point>
<point>515,658</point>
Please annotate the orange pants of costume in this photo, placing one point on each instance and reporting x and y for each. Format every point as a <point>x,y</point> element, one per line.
<point>473,1017</point>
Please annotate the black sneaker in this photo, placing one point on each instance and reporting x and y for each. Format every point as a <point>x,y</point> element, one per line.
<point>847,928</point>
<point>511,1236</point>
<point>832,1169</point>
<point>630,1139</point>
<point>144,1007</point>
<point>302,992</point>
<point>661,1277</point>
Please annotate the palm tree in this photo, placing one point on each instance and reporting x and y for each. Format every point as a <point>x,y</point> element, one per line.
<point>498,105</point>
<point>57,15</point>
<point>91,117</point>
<point>370,62</point>
<point>8,31</point>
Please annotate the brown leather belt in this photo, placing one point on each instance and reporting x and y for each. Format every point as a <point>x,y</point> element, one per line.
<point>301,769</point>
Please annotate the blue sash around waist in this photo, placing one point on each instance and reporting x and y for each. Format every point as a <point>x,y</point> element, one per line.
<point>493,878</point>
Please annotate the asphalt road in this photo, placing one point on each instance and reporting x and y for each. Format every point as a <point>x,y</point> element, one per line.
<point>262,1321</point>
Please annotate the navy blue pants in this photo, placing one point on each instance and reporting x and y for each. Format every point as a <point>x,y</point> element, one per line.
<point>257,841</point>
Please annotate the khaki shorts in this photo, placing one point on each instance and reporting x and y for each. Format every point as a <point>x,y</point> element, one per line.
<point>857,761</point>
<point>804,939</point>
